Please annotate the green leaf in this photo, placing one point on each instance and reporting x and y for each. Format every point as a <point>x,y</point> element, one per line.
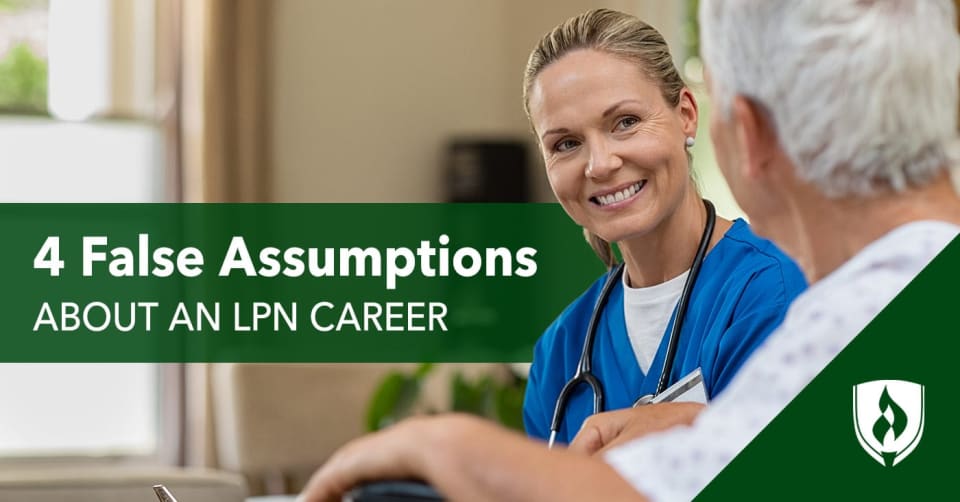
<point>11,5</point>
<point>23,80</point>
<point>392,400</point>
<point>467,397</point>
<point>487,397</point>
<point>423,370</point>
<point>510,405</point>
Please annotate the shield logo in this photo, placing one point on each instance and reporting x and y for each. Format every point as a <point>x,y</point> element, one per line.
<point>888,418</point>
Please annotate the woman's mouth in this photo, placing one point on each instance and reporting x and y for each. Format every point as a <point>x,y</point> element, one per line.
<point>616,198</point>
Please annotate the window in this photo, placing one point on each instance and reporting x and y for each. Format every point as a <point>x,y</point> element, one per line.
<point>712,184</point>
<point>23,56</point>
<point>76,59</point>
<point>79,409</point>
<point>76,125</point>
<point>71,60</point>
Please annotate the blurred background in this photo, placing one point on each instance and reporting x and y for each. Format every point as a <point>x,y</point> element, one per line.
<point>286,100</point>
<point>264,101</point>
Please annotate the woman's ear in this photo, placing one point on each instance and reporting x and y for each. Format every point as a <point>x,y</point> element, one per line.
<point>756,137</point>
<point>689,113</point>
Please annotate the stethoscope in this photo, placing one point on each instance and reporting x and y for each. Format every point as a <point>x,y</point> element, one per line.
<point>584,375</point>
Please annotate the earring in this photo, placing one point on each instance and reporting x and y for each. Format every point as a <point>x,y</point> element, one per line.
<point>689,141</point>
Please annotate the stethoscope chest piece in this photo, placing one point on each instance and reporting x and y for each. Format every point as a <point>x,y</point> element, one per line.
<point>584,375</point>
<point>644,399</point>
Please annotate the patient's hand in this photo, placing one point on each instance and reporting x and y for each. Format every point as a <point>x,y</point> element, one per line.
<point>604,431</point>
<point>467,458</point>
<point>389,454</point>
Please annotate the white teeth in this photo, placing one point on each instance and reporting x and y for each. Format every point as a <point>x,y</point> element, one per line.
<point>626,193</point>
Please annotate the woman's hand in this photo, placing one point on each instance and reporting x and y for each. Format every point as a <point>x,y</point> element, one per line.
<point>604,431</point>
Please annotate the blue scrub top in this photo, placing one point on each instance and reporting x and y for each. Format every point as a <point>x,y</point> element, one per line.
<point>742,293</point>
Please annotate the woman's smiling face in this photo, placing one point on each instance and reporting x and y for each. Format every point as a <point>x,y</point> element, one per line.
<point>614,149</point>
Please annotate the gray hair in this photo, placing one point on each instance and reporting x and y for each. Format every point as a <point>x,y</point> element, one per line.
<point>863,93</point>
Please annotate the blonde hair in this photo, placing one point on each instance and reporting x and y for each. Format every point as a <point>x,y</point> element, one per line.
<point>614,33</point>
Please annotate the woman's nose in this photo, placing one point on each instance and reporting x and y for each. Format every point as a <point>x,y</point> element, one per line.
<point>603,161</point>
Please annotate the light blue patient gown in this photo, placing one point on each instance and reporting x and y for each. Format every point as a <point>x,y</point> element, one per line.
<point>742,293</point>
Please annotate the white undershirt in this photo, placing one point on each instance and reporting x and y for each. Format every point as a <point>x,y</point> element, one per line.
<point>647,312</point>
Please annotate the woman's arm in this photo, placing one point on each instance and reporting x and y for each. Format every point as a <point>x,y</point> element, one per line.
<point>468,459</point>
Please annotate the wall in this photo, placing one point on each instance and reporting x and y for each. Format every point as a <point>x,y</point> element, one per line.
<point>366,92</point>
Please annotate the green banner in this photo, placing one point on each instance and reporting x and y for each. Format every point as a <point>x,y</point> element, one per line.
<point>285,282</point>
<point>879,423</point>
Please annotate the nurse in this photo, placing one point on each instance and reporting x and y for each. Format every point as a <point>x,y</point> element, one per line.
<point>614,122</point>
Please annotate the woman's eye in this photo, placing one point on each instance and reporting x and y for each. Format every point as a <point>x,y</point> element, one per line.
<point>627,122</point>
<point>564,145</point>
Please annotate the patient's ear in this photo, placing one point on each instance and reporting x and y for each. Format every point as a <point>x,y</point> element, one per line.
<point>756,136</point>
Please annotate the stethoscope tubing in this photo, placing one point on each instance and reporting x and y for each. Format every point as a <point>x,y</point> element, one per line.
<point>584,374</point>
<point>672,342</point>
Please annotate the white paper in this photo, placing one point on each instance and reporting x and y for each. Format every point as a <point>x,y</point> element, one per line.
<point>689,389</point>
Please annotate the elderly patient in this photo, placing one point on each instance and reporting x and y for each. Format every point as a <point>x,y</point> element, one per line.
<point>835,128</point>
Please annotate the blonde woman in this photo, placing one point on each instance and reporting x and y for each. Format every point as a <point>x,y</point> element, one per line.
<point>696,292</point>
<point>851,177</point>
